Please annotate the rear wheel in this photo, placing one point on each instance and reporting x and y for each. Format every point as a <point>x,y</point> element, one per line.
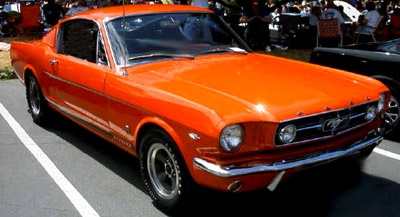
<point>163,170</point>
<point>37,105</point>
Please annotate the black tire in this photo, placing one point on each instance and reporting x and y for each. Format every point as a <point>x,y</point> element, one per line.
<point>37,104</point>
<point>164,171</point>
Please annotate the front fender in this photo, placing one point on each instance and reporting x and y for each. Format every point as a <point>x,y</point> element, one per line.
<point>162,124</point>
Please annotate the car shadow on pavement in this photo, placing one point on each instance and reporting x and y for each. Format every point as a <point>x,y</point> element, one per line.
<point>112,157</point>
<point>338,189</point>
<point>394,137</point>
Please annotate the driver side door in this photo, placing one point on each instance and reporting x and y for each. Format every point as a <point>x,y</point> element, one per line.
<point>81,70</point>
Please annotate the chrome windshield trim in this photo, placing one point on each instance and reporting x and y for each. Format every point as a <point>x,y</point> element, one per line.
<point>226,172</point>
<point>156,13</point>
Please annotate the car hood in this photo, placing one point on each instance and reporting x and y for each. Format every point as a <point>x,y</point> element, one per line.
<point>263,87</point>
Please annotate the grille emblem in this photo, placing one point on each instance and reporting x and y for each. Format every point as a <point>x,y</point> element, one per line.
<point>335,123</point>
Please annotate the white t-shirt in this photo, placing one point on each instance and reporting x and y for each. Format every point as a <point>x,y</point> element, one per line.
<point>331,13</point>
<point>200,3</point>
<point>373,18</point>
<point>76,10</point>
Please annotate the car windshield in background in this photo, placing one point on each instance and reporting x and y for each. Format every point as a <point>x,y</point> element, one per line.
<point>180,35</point>
<point>391,47</point>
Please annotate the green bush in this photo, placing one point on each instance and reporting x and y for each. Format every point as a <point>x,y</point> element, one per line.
<point>7,74</point>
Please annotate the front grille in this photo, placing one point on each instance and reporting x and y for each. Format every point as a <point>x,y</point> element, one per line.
<point>326,124</point>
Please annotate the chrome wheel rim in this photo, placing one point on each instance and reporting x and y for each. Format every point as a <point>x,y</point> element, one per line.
<point>34,96</point>
<point>163,171</point>
<point>393,112</point>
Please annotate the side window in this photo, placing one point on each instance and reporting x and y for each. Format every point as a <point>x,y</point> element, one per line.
<point>79,38</point>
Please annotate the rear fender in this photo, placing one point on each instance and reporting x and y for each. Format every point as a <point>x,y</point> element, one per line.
<point>30,69</point>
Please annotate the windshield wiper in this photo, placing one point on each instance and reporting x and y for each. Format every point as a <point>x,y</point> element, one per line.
<point>221,49</point>
<point>146,56</point>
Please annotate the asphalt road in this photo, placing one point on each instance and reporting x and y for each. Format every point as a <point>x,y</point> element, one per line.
<point>109,180</point>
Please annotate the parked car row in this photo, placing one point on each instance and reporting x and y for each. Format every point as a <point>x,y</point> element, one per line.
<point>379,60</point>
<point>177,88</point>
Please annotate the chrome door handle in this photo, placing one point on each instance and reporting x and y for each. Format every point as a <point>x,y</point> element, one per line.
<point>52,61</point>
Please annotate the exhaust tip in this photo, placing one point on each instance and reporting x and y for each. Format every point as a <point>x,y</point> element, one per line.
<point>235,186</point>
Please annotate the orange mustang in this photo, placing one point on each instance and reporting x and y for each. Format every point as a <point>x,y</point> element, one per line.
<point>177,88</point>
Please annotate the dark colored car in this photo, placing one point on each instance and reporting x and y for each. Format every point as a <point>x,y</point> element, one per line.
<point>378,60</point>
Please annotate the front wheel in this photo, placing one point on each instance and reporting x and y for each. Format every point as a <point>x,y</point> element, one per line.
<point>392,115</point>
<point>163,170</point>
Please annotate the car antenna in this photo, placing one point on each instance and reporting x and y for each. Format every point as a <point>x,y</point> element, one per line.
<point>124,73</point>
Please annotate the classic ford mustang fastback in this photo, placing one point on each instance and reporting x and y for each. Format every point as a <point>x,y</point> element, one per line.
<point>177,88</point>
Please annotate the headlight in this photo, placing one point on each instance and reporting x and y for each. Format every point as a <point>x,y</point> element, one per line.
<point>381,102</point>
<point>231,137</point>
<point>371,113</point>
<point>287,133</point>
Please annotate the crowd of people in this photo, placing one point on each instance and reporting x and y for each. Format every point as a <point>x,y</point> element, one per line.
<point>257,16</point>
<point>250,18</point>
<point>269,11</point>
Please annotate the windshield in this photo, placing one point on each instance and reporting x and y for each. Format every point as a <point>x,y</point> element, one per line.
<point>391,47</point>
<point>179,35</point>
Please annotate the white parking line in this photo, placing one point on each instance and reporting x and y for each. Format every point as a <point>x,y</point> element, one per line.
<point>83,207</point>
<point>387,153</point>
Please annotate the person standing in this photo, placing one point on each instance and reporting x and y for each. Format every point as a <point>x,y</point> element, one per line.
<point>52,12</point>
<point>257,33</point>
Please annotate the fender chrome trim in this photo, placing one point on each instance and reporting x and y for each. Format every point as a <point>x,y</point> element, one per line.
<point>226,172</point>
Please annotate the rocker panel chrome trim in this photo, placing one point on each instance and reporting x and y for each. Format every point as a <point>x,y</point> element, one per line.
<point>90,123</point>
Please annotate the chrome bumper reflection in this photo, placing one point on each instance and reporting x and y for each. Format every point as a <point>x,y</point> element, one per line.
<point>227,172</point>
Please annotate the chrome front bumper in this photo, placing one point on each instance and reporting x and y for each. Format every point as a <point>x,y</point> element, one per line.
<point>227,171</point>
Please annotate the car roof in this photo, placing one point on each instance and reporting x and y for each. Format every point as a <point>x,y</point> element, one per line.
<point>118,11</point>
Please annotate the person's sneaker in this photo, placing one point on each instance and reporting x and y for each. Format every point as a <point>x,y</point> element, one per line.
<point>280,47</point>
<point>268,48</point>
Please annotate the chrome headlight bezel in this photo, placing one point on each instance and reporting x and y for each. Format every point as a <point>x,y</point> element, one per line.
<point>371,113</point>
<point>231,138</point>
<point>381,103</point>
<point>287,134</point>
